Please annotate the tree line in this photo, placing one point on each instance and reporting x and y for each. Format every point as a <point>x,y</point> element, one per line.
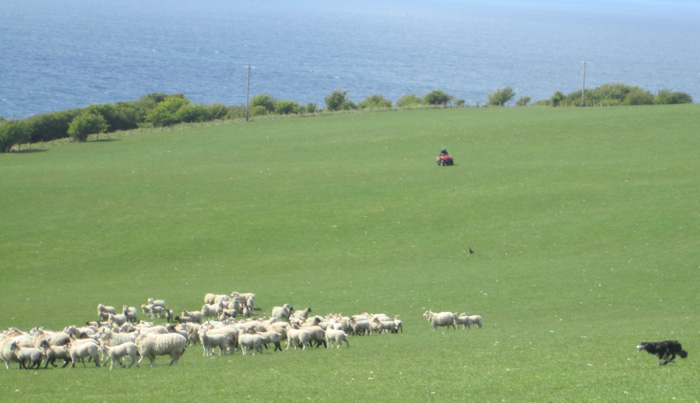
<point>160,109</point>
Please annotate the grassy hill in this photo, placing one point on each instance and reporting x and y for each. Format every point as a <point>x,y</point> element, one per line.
<point>584,222</point>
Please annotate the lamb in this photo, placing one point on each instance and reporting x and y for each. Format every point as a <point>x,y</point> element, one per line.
<point>282,312</point>
<point>210,310</point>
<point>27,354</point>
<point>115,353</point>
<point>297,337</point>
<point>78,352</point>
<point>54,353</point>
<point>336,335</point>
<point>247,341</point>
<point>131,313</point>
<point>440,319</point>
<point>316,334</point>
<point>188,316</point>
<point>360,327</point>
<point>6,353</point>
<point>301,315</point>
<point>157,302</point>
<point>104,310</point>
<point>117,320</point>
<point>151,345</point>
<point>468,320</point>
<point>274,337</point>
<point>212,340</point>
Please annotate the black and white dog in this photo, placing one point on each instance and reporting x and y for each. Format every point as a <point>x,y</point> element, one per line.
<point>665,350</point>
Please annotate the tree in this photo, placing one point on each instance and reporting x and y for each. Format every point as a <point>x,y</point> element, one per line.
<point>523,101</point>
<point>165,112</point>
<point>501,97</point>
<point>12,133</point>
<point>556,99</point>
<point>437,97</point>
<point>85,124</point>
<point>410,100</point>
<point>338,100</point>
<point>375,102</point>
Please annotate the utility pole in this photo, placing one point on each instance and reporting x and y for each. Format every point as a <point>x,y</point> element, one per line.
<point>583,87</point>
<point>247,94</point>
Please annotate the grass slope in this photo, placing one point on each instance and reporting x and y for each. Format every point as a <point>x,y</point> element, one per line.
<point>585,224</point>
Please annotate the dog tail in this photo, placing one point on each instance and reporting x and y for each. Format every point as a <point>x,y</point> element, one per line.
<point>683,353</point>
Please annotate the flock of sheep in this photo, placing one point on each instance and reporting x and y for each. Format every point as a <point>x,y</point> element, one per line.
<point>225,322</point>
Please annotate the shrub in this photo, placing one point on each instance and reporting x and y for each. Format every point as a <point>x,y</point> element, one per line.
<point>338,100</point>
<point>375,102</point>
<point>667,97</point>
<point>264,101</point>
<point>523,101</point>
<point>85,124</point>
<point>410,100</point>
<point>501,97</point>
<point>286,107</point>
<point>437,97</point>
<point>12,133</point>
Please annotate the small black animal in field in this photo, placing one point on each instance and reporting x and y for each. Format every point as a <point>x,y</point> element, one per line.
<point>665,350</point>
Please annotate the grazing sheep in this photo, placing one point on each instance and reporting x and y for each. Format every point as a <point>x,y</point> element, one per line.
<point>151,345</point>
<point>247,341</point>
<point>115,353</point>
<point>337,336</point>
<point>80,350</point>
<point>440,319</point>
<point>282,312</point>
<point>468,320</point>
<point>27,354</point>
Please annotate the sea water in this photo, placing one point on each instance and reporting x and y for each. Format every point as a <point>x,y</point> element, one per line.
<point>61,54</point>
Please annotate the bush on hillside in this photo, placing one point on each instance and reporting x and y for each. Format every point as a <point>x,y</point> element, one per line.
<point>13,132</point>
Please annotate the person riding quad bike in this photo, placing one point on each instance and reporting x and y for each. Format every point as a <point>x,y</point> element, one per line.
<point>444,158</point>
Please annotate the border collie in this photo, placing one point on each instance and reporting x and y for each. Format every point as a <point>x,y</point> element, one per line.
<point>665,350</point>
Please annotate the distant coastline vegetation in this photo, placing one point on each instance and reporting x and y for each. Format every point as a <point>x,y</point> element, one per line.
<point>160,110</point>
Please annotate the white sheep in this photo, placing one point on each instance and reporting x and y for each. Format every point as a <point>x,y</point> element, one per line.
<point>212,340</point>
<point>440,319</point>
<point>282,312</point>
<point>211,310</point>
<point>151,345</point>
<point>27,354</point>
<point>157,302</point>
<point>7,355</point>
<point>115,353</point>
<point>297,337</point>
<point>131,313</point>
<point>468,320</point>
<point>247,341</point>
<point>360,327</point>
<point>337,336</point>
<point>104,310</point>
<point>118,319</point>
<point>274,337</point>
<point>54,353</point>
<point>80,350</point>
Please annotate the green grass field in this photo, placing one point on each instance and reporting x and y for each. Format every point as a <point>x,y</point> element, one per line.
<point>585,223</point>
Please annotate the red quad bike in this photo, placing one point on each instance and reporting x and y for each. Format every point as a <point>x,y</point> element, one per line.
<point>444,160</point>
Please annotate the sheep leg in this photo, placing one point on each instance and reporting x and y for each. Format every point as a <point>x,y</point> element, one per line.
<point>65,363</point>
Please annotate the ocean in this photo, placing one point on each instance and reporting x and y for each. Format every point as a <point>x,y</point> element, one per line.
<point>60,54</point>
